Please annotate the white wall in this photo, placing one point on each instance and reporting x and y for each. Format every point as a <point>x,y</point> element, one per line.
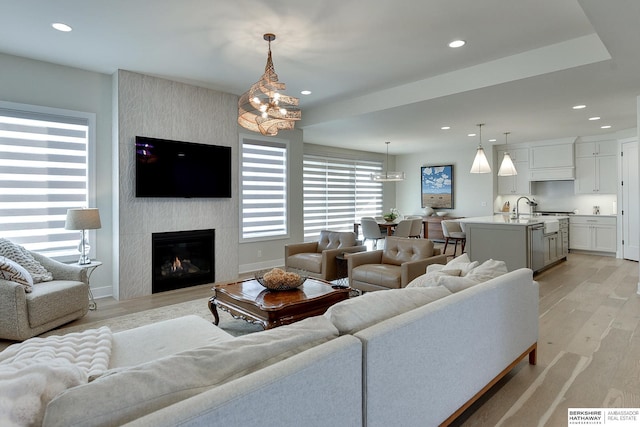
<point>472,193</point>
<point>40,83</point>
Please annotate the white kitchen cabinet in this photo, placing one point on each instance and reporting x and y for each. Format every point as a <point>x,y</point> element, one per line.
<point>593,233</point>
<point>551,162</point>
<point>517,184</point>
<point>596,168</point>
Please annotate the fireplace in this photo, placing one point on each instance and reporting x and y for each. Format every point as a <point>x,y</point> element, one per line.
<point>181,259</point>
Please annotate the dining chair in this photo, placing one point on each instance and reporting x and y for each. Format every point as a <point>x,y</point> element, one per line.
<point>370,230</point>
<point>452,230</point>
<point>416,227</point>
<point>403,229</point>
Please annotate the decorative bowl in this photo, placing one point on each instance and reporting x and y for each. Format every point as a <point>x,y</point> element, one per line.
<point>389,218</point>
<point>442,213</point>
<point>280,280</point>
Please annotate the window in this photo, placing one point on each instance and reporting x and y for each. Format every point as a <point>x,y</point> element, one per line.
<point>43,172</point>
<point>263,189</point>
<point>338,192</point>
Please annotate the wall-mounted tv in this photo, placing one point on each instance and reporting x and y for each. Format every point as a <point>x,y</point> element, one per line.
<point>167,168</point>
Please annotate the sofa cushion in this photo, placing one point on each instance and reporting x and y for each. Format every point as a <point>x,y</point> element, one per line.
<point>306,261</point>
<point>56,299</point>
<point>14,272</point>
<point>22,256</point>
<point>386,275</point>
<point>127,394</point>
<point>149,342</point>
<point>336,239</point>
<point>355,314</point>
<point>399,250</point>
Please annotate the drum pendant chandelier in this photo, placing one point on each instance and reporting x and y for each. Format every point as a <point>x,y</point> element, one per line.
<point>264,108</point>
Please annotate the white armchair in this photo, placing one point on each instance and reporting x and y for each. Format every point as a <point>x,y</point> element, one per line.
<point>49,305</point>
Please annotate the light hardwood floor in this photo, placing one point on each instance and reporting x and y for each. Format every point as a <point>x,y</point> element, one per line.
<point>588,348</point>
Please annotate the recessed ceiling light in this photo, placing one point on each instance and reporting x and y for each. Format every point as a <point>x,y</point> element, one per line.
<point>305,92</point>
<point>61,27</point>
<point>605,127</point>
<point>445,127</point>
<point>457,43</point>
<point>579,107</point>
<point>492,140</point>
<point>471,134</point>
<point>594,118</point>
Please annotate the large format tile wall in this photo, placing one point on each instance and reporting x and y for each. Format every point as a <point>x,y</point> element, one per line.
<point>162,108</point>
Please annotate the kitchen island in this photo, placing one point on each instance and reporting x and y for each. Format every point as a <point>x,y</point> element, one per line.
<point>534,242</point>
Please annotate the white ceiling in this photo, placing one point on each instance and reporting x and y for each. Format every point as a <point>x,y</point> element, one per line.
<point>379,70</point>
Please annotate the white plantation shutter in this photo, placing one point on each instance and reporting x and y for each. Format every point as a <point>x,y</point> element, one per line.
<point>263,192</point>
<point>43,172</point>
<point>338,192</point>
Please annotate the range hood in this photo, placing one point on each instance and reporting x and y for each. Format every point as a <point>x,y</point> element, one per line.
<point>552,174</point>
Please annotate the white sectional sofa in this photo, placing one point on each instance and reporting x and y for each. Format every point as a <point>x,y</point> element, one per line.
<point>410,357</point>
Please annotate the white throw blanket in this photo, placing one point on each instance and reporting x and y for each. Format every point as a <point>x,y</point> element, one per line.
<point>32,373</point>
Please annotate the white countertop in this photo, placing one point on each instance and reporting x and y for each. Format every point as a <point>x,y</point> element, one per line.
<point>504,219</point>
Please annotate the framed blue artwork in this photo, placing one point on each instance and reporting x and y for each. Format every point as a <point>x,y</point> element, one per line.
<point>436,186</point>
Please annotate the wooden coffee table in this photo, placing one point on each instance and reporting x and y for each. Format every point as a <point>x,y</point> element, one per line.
<point>250,301</point>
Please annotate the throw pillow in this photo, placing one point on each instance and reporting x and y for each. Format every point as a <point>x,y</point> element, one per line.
<point>355,314</point>
<point>456,284</point>
<point>463,263</point>
<point>22,256</point>
<point>130,393</point>
<point>14,272</point>
<point>488,270</point>
<point>430,278</point>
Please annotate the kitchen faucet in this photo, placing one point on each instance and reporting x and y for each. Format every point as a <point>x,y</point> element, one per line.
<point>518,205</point>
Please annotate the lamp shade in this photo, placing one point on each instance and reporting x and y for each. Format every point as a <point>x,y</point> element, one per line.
<point>83,219</point>
<point>507,168</point>
<point>480,163</point>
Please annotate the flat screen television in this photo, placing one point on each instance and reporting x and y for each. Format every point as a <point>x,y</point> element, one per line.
<point>166,168</point>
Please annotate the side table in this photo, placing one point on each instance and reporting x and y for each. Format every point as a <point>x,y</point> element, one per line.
<point>90,269</point>
<point>342,273</point>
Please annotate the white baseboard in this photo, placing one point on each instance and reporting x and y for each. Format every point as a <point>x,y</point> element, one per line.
<point>102,292</point>
<point>257,266</point>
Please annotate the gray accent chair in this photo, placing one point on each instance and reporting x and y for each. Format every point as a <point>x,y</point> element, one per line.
<point>371,230</point>
<point>403,229</point>
<point>318,259</point>
<point>402,260</point>
<point>50,304</point>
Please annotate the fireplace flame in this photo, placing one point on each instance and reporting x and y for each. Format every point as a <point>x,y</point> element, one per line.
<point>176,265</point>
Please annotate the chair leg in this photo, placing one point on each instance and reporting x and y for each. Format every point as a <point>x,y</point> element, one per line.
<point>464,242</point>
<point>446,242</point>
<point>455,247</point>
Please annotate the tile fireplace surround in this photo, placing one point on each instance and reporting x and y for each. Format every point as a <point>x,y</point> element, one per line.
<point>160,108</point>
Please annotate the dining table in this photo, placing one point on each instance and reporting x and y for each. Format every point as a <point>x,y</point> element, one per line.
<point>389,225</point>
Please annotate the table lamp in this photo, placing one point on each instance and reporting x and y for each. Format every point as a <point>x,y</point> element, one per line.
<point>83,219</point>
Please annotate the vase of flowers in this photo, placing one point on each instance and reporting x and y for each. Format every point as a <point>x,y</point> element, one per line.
<point>391,216</point>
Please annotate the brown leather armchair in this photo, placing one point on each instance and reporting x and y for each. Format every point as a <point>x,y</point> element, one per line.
<point>402,260</point>
<point>318,259</point>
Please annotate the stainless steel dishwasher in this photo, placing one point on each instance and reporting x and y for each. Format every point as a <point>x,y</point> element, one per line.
<point>536,246</point>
